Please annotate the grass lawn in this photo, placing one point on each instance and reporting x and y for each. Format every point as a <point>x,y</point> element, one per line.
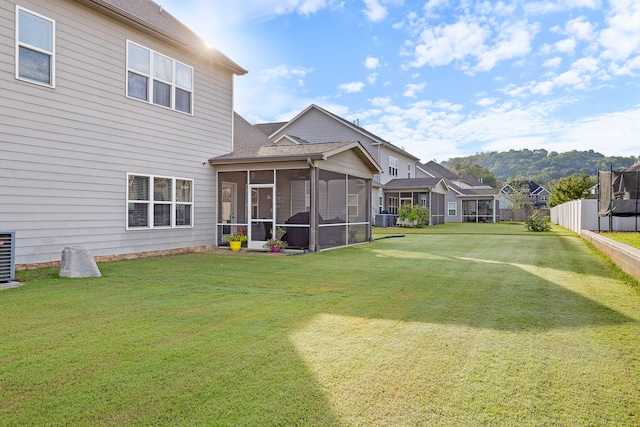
<point>629,238</point>
<point>459,324</point>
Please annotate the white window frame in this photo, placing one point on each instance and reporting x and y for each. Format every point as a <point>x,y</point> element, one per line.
<point>455,209</point>
<point>352,205</point>
<point>51,53</point>
<point>393,204</point>
<point>151,78</point>
<point>393,166</point>
<point>151,202</point>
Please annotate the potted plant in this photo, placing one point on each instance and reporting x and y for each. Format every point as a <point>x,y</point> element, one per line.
<point>236,240</point>
<point>276,244</point>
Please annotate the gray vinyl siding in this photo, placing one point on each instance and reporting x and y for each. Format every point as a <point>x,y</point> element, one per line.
<point>65,152</point>
<point>347,163</point>
<point>316,126</point>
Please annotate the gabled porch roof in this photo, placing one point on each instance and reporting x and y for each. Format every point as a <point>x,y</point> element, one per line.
<point>252,146</point>
<point>415,184</point>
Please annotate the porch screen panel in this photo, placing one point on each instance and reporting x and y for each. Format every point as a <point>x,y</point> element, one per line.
<point>331,236</point>
<point>237,200</point>
<point>292,194</point>
<point>333,197</point>
<point>261,177</point>
<point>358,233</point>
<point>358,200</point>
<point>437,208</point>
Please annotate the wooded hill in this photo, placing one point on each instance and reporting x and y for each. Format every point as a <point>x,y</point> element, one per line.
<point>541,166</point>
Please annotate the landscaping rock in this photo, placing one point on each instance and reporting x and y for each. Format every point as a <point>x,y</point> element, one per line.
<point>77,263</point>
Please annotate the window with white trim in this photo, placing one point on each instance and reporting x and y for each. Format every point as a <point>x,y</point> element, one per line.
<point>393,166</point>
<point>352,205</point>
<point>452,208</point>
<point>35,47</point>
<point>393,205</point>
<point>155,78</point>
<point>159,202</point>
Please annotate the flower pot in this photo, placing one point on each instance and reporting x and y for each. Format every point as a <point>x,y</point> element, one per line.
<point>275,249</point>
<point>235,246</point>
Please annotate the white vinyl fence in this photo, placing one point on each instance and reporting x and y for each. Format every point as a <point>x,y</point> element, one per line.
<point>583,215</point>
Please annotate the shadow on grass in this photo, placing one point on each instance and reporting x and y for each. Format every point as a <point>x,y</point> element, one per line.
<point>483,293</point>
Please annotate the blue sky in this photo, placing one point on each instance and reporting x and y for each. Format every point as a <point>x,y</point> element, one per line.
<point>439,78</point>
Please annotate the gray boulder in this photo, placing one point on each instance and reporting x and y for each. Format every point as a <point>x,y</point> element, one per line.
<point>77,262</point>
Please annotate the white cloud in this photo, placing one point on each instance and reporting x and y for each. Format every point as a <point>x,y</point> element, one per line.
<point>567,46</point>
<point>381,101</point>
<point>485,102</point>
<point>371,63</point>
<point>412,89</point>
<point>282,71</point>
<point>621,38</point>
<point>544,7</point>
<point>554,62</point>
<point>444,44</point>
<point>375,11</point>
<point>514,40</point>
<point>352,87</point>
<point>580,28</point>
<point>471,44</point>
<point>371,78</point>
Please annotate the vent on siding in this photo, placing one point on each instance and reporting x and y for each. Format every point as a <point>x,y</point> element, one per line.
<point>7,256</point>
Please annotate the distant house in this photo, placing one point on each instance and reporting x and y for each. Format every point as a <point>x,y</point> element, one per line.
<point>537,197</point>
<point>109,112</point>
<point>394,185</point>
<point>466,198</point>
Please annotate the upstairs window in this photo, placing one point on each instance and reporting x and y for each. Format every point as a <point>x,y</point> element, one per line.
<point>159,79</point>
<point>393,166</point>
<point>35,47</point>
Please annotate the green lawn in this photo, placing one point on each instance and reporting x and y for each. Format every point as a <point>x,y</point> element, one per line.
<point>629,238</point>
<point>460,324</point>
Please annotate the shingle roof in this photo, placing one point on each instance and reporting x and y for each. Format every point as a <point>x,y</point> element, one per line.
<point>633,168</point>
<point>412,183</point>
<point>269,128</point>
<point>153,17</point>
<point>437,170</point>
<point>251,145</point>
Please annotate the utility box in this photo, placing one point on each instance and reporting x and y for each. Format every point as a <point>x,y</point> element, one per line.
<point>7,256</point>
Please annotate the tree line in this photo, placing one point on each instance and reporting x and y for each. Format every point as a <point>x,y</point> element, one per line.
<point>541,166</point>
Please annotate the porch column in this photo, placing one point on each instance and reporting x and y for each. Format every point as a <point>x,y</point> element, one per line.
<point>370,219</point>
<point>430,210</point>
<point>313,207</point>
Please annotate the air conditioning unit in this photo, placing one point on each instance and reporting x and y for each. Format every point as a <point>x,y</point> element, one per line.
<point>7,256</point>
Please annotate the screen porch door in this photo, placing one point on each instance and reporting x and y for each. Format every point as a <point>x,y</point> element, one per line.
<point>261,215</point>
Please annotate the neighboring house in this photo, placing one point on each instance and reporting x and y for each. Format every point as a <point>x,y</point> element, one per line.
<point>466,199</point>
<point>320,193</point>
<point>110,110</point>
<point>537,197</point>
<point>315,124</point>
<point>393,185</point>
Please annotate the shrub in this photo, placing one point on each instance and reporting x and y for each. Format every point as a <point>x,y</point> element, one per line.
<point>538,222</point>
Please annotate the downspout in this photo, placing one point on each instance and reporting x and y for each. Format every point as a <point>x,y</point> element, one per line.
<point>430,210</point>
<point>313,215</point>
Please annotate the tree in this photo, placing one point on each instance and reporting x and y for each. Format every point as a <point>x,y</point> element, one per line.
<point>573,187</point>
<point>463,166</point>
<point>515,197</point>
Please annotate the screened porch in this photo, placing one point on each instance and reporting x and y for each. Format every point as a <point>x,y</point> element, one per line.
<point>318,209</point>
